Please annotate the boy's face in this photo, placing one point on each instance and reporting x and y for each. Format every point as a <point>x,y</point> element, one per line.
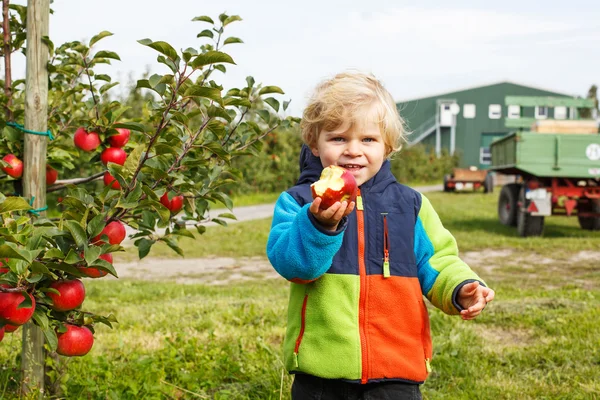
<point>360,149</point>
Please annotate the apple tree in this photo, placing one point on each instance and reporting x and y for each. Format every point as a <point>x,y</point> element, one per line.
<point>158,173</point>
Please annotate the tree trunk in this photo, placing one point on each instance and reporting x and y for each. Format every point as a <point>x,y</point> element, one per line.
<point>34,172</point>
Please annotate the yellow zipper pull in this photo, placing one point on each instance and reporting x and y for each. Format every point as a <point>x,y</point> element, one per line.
<point>359,203</point>
<point>386,267</point>
<point>295,360</point>
<point>428,365</point>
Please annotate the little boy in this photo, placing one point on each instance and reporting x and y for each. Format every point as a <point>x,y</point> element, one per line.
<point>358,327</point>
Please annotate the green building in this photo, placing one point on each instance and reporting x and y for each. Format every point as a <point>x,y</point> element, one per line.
<point>467,121</point>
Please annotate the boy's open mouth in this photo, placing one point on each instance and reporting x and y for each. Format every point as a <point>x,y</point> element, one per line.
<point>351,167</point>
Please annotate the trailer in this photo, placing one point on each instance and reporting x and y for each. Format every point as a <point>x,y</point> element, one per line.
<point>469,178</point>
<point>557,163</point>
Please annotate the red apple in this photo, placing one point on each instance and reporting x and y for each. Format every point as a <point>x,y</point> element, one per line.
<point>86,141</point>
<point>120,139</point>
<point>92,272</point>
<point>15,168</point>
<point>114,155</point>
<point>111,180</point>
<point>336,184</point>
<point>51,175</point>
<point>8,328</point>
<point>71,294</point>
<point>115,232</point>
<point>1,333</point>
<point>76,341</point>
<point>9,313</point>
<point>175,204</point>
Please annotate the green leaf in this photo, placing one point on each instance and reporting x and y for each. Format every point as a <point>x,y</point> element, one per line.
<point>41,319</point>
<point>54,253</point>
<point>219,221</point>
<point>204,91</point>
<point>273,103</point>
<point>172,243</point>
<point>270,89</point>
<point>183,232</point>
<point>107,54</point>
<point>14,204</point>
<point>105,265</point>
<point>206,33</point>
<point>10,250</point>
<point>227,215</point>
<point>133,159</point>
<point>231,40</point>
<point>144,245</point>
<point>231,19</point>
<point>77,232</point>
<point>51,338</point>
<point>264,114</point>
<point>223,198</point>
<point>46,40</point>
<point>103,77</point>
<point>72,257</point>
<point>95,225</point>
<point>201,229</point>
<point>105,88</point>
<point>211,57</point>
<point>286,104</point>
<point>162,47</point>
<point>91,254</point>
<point>98,37</point>
<point>38,267</point>
<point>221,68</point>
<point>204,18</point>
<point>134,126</point>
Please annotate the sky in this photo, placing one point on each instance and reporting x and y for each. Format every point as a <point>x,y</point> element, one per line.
<point>416,48</point>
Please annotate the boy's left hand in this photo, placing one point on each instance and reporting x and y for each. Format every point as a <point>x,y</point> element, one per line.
<point>473,297</point>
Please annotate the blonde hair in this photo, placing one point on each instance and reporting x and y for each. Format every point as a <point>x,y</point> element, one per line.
<point>348,97</point>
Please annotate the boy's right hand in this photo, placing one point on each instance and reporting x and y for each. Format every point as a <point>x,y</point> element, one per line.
<point>331,217</point>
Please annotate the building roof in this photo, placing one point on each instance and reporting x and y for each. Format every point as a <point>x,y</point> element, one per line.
<point>463,89</point>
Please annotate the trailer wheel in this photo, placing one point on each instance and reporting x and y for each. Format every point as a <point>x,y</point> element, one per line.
<point>589,223</point>
<point>488,184</point>
<point>447,179</point>
<point>527,225</point>
<point>507,204</point>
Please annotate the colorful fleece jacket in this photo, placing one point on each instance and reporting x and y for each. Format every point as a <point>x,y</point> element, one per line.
<point>356,310</point>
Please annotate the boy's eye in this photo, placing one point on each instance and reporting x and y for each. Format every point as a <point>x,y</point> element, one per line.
<point>337,139</point>
<point>368,140</point>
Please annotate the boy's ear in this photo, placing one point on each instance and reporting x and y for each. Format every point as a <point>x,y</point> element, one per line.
<point>315,151</point>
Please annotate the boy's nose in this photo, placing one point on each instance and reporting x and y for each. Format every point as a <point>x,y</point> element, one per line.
<point>352,149</point>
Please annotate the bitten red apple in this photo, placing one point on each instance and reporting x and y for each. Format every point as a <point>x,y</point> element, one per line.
<point>51,175</point>
<point>9,313</point>
<point>92,272</point>
<point>175,204</point>
<point>111,180</point>
<point>86,141</point>
<point>76,341</point>
<point>120,139</point>
<point>71,294</point>
<point>15,168</point>
<point>114,155</point>
<point>115,231</point>
<point>336,184</point>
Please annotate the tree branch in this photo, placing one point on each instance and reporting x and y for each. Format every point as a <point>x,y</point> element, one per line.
<point>61,184</point>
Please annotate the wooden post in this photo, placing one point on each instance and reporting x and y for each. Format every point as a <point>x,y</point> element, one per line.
<point>34,171</point>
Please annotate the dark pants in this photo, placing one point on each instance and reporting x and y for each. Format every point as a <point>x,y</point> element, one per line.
<point>308,387</point>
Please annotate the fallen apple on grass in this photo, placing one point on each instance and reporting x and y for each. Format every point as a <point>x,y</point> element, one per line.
<point>336,184</point>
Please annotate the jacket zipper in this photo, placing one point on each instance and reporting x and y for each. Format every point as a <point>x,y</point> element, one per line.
<point>362,269</point>
<point>301,334</point>
<point>386,248</point>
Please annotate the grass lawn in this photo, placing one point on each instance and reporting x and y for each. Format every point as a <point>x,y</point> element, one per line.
<point>538,340</point>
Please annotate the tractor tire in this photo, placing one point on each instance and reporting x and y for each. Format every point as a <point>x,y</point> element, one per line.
<point>488,184</point>
<point>589,223</point>
<point>527,225</point>
<point>507,204</point>
<point>447,179</point>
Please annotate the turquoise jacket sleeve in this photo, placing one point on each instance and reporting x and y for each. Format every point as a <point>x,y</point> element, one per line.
<point>441,272</point>
<point>298,248</point>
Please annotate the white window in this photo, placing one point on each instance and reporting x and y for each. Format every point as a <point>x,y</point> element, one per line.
<point>560,112</point>
<point>541,112</point>
<point>485,156</point>
<point>469,111</point>
<point>514,112</point>
<point>495,111</point>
